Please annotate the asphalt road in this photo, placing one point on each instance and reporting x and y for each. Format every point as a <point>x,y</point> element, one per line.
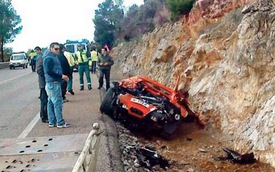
<point>19,113</point>
<point>18,100</point>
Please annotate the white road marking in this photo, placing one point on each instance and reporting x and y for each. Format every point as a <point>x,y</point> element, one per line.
<point>14,78</point>
<point>29,128</point>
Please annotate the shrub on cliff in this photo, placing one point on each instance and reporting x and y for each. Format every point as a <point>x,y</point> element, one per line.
<point>179,7</point>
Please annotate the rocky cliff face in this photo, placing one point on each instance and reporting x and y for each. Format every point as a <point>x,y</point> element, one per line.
<point>225,58</point>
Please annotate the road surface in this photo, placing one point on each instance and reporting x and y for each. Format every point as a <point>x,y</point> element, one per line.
<point>19,113</point>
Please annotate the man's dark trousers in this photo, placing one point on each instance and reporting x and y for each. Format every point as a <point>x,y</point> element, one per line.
<point>64,88</point>
<point>43,102</point>
<point>106,73</point>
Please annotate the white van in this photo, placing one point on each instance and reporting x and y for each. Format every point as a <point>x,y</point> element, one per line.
<point>18,60</point>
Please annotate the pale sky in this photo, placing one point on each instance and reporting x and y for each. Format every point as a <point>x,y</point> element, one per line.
<point>46,21</point>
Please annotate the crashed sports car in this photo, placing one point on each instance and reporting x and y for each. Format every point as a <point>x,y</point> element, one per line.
<point>142,103</point>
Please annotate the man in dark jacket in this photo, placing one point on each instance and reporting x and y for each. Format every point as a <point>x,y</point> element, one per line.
<point>105,62</point>
<point>41,80</point>
<point>66,70</point>
<point>53,77</point>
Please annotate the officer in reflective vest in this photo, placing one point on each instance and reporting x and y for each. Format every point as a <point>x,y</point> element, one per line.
<point>83,66</point>
<point>94,59</point>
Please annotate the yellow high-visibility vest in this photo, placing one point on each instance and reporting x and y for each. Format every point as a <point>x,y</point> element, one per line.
<point>70,58</point>
<point>94,56</point>
<point>81,56</point>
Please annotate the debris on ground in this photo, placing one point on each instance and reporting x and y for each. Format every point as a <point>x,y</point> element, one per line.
<point>247,158</point>
<point>139,157</point>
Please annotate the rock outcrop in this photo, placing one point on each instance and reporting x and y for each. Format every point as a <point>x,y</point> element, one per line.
<point>226,60</point>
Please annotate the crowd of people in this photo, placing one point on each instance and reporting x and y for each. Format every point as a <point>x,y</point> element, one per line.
<point>55,66</point>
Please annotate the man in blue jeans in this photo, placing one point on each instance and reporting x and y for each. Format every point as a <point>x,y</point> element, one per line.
<point>53,76</point>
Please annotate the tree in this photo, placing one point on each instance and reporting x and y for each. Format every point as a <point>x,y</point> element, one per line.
<point>140,19</point>
<point>119,3</point>
<point>9,24</point>
<point>179,7</point>
<point>107,20</point>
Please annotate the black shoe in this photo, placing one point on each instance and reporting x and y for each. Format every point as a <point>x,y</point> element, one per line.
<point>45,121</point>
<point>71,91</point>
<point>82,88</point>
<point>99,87</point>
<point>89,88</point>
<point>65,100</point>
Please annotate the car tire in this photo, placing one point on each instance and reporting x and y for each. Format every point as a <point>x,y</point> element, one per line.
<point>107,102</point>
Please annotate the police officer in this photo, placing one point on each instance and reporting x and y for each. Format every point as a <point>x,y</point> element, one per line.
<point>83,66</point>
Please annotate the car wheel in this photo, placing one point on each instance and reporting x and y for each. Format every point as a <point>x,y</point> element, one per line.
<point>107,102</point>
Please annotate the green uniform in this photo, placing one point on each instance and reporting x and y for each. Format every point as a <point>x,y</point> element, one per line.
<point>83,66</point>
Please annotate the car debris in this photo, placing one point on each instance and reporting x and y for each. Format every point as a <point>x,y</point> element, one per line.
<point>142,103</point>
<point>247,158</point>
<point>148,157</point>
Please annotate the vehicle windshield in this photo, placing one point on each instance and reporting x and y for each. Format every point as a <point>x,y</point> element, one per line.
<point>17,57</point>
<point>70,48</point>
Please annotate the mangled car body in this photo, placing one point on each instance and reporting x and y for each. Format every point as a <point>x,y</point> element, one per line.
<point>144,103</point>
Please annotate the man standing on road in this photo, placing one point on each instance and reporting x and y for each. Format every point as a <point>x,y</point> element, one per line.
<point>94,59</point>
<point>105,62</point>
<point>41,80</point>
<point>83,66</point>
<point>65,71</point>
<point>33,57</point>
<point>53,77</point>
<point>71,62</point>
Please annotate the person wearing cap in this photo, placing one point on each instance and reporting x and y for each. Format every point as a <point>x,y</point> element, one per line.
<point>83,66</point>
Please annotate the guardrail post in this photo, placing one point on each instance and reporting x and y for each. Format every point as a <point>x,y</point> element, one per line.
<point>87,160</point>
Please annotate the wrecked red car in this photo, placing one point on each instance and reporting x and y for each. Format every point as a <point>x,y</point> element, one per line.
<point>142,103</point>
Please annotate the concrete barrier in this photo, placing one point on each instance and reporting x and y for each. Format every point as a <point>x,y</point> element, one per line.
<point>4,65</point>
<point>86,162</point>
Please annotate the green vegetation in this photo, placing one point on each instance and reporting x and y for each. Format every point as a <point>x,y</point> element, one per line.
<point>114,23</point>
<point>179,7</point>
<point>7,54</point>
<point>9,24</point>
<point>107,21</point>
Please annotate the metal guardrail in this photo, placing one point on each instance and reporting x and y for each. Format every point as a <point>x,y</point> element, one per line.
<point>4,65</point>
<point>87,159</point>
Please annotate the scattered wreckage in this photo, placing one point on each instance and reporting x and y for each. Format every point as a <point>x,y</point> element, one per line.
<point>247,158</point>
<point>148,157</point>
<point>142,103</point>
